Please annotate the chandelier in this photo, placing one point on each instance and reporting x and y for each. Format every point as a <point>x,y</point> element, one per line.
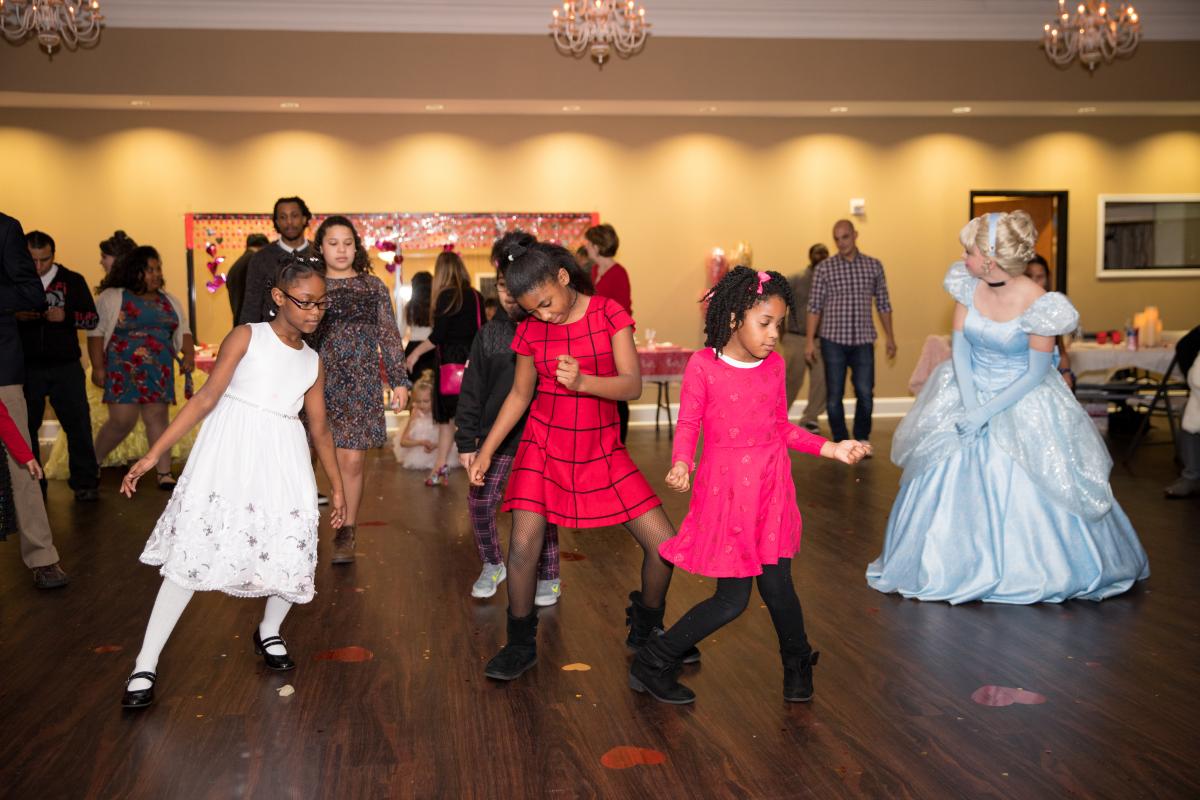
<point>1093,33</point>
<point>599,27</point>
<point>54,22</point>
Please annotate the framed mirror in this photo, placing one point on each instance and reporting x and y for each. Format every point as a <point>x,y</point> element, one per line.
<point>1148,236</point>
<point>1049,212</point>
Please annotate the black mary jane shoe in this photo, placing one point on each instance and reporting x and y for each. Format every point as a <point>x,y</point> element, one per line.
<point>166,481</point>
<point>279,663</point>
<point>139,698</point>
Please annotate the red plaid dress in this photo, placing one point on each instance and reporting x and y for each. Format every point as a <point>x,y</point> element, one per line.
<point>571,466</point>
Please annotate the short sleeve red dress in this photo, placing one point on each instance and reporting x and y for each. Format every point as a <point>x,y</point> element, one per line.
<point>571,466</point>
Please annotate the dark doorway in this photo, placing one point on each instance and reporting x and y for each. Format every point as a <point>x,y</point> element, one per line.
<point>1049,212</point>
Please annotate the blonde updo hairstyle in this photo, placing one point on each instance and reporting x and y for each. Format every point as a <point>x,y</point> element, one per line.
<point>1015,237</point>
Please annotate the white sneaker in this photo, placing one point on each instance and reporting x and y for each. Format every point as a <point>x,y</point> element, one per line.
<point>547,592</point>
<point>489,580</point>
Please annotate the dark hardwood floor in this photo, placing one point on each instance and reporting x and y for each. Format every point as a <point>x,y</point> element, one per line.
<point>893,715</point>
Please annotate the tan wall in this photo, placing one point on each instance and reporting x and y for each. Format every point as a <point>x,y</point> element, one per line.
<point>674,188</point>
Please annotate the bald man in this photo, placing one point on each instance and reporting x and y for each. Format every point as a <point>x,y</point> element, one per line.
<point>839,313</point>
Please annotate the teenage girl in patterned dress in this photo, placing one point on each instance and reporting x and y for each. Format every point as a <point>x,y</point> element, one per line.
<point>571,468</point>
<point>743,522</point>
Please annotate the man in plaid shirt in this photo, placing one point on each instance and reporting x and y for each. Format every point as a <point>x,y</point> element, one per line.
<point>839,312</point>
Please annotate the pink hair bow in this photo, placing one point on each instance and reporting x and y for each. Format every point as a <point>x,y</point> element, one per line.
<point>448,248</point>
<point>763,277</point>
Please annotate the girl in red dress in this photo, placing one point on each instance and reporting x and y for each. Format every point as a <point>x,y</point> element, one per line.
<point>571,469</point>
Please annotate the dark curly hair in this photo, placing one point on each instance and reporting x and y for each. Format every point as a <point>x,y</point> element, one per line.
<point>362,261</point>
<point>733,296</point>
<point>501,246</point>
<point>527,265</point>
<point>129,271</point>
<point>117,245</point>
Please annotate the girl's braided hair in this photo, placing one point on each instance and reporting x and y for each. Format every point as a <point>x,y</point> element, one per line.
<point>735,294</point>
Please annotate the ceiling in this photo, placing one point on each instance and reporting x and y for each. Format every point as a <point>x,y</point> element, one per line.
<point>1011,20</point>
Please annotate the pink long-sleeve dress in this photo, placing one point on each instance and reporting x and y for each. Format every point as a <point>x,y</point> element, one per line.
<point>743,512</point>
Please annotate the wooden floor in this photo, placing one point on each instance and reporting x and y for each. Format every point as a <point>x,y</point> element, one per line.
<point>893,715</point>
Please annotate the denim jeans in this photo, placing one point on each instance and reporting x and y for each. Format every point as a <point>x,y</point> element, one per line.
<point>860,359</point>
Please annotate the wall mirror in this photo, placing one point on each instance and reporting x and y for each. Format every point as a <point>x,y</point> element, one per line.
<point>1148,236</point>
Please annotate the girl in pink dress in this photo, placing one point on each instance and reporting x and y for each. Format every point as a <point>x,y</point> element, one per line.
<point>743,521</point>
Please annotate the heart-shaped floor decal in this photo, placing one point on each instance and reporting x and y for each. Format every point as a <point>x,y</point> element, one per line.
<point>1000,696</point>
<point>626,757</point>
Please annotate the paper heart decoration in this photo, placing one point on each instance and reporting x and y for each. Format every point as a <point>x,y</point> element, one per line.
<point>220,239</point>
<point>214,284</point>
<point>210,248</point>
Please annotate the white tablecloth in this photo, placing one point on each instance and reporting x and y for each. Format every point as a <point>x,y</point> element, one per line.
<point>1089,357</point>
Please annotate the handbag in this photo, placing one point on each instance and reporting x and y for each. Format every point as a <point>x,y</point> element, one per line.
<point>450,376</point>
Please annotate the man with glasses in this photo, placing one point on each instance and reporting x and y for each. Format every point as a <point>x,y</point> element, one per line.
<point>291,218</point>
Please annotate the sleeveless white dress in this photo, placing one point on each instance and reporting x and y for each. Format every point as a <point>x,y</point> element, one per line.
<point>243,519</point>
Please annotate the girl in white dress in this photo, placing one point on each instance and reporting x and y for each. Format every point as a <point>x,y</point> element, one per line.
<point>243,519</point>
<point>415,447</point>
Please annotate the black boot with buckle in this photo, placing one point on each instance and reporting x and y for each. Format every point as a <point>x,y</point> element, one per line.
<point>642,620</point>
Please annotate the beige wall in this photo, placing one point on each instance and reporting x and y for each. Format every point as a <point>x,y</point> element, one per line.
<point>674,188</point>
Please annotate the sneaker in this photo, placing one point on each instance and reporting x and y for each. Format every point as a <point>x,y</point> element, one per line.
<point>489,580</point>
<point>547,592</point>
<point>51,577</point>
<point>322,499</point>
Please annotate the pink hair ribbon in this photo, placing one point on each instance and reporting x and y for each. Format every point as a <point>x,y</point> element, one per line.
<point>763,277</point>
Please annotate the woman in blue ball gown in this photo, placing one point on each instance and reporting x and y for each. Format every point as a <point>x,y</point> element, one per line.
<point>1005,495</point>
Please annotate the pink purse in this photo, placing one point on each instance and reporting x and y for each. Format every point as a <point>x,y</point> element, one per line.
<point>450,376</point>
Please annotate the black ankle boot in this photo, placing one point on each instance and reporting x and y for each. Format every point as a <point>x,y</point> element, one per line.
<point>798,676</point>
<point>654,670</point>
<point>520,653</point>
<point>643,620</point>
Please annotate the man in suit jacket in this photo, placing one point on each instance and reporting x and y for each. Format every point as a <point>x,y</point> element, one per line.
<point>21,290</point>
<point>290,217</point>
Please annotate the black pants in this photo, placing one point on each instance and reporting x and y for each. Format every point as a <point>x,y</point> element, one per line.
<point>775,586</point>
<point>623,418</point>
<point>65,386</point>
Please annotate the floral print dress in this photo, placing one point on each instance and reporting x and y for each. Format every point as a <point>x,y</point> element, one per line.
<point>139,361</point>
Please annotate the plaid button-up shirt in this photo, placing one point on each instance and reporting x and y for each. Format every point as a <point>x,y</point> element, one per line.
<point>841,293</point>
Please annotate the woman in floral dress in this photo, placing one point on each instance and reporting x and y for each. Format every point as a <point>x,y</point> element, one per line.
<point>358,333</point>
<point>142,329</point>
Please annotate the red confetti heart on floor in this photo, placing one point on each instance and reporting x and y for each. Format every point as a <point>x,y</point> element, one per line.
<point>347,654</point>
<point>626,757</point>
<point>569,556</point>
<point>107,648</point>
<point>1000,696</point>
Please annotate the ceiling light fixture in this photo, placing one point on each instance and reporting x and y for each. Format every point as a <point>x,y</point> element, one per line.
<point>570,108</point>
<point>289,104</point>
<point>599,28</point>
<point>139,103</point>
<point>1087,110</point>
<point>838,109</point>
<point>961,109</point>
<point>53,22</point>
<point>434,107</point>
<point>707,109</point>
<point>1091,34</point>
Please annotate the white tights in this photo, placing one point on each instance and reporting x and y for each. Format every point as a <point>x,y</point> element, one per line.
<point>168,607</point>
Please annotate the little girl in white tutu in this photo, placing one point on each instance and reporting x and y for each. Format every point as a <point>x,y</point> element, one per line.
<point>415,447</point>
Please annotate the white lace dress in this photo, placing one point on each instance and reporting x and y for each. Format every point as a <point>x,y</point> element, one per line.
<point>243,519</point>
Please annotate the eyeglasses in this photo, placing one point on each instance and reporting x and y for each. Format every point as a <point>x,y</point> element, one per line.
<point>307,305</point>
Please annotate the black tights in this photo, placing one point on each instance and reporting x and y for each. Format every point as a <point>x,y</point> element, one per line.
<point>525,547</point>
<point>732,595</point>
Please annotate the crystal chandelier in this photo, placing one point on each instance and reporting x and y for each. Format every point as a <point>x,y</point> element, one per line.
<point>1093,33</point>
<point>599,27</point>
<point>54,22</point>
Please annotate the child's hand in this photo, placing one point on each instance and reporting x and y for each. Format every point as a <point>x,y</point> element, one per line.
<point>35,469</point>
<point>466,459</point>
<point>678,478</point>
<point>98,375</point>
<point>337,508</point>
<point>140,467</point>
<point>568,373</point>
<point>849,451</point>
<point>479,468</point>
<point>429,446</point>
